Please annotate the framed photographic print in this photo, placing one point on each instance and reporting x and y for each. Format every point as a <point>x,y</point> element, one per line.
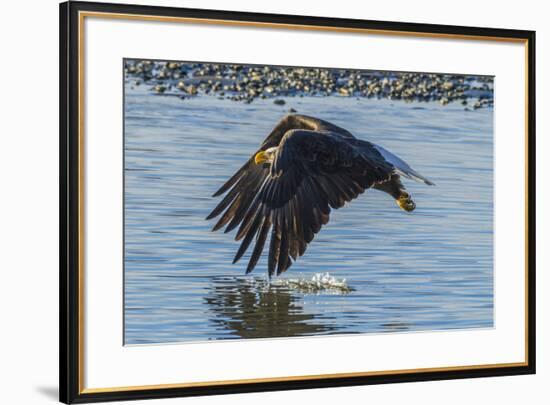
<point>254,202</point>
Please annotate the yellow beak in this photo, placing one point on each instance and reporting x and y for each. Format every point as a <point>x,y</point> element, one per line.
<point>261,157</point>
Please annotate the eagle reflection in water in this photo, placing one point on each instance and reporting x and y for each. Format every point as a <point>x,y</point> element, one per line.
<point>253,308</point>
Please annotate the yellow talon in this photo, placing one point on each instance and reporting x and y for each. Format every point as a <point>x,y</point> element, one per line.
<point>405,202</point>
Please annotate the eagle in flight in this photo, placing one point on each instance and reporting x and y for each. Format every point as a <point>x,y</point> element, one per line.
<point>304,167</point>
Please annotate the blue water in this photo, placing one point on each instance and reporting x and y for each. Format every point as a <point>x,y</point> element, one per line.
<point>428,270</point>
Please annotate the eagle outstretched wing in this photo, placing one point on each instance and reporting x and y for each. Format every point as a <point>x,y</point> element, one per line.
<point>317,166</point>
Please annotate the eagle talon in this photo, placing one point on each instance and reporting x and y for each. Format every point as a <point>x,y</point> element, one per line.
<point>406,203</point>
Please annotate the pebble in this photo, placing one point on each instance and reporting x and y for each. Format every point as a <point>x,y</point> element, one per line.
<point>159,88</point>
<point>246,83</point>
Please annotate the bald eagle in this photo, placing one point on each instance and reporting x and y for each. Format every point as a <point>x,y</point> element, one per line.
<point>304,167</point>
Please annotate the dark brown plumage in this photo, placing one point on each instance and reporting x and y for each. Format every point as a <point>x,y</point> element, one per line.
<point>303,169</point>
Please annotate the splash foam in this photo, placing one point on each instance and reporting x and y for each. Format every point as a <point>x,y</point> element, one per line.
<point>317,284</point>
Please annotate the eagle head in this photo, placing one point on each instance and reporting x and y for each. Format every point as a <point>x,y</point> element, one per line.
<point>265,156</point>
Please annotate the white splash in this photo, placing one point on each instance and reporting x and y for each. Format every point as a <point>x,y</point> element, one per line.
<point>319,283</point>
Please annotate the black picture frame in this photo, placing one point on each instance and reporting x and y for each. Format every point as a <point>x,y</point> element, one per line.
<point>70,363</point>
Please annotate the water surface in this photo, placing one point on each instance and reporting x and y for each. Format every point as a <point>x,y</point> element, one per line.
<point>428,270</point>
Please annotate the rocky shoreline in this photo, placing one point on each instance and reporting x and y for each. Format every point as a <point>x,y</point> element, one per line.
<point>247,83</point>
